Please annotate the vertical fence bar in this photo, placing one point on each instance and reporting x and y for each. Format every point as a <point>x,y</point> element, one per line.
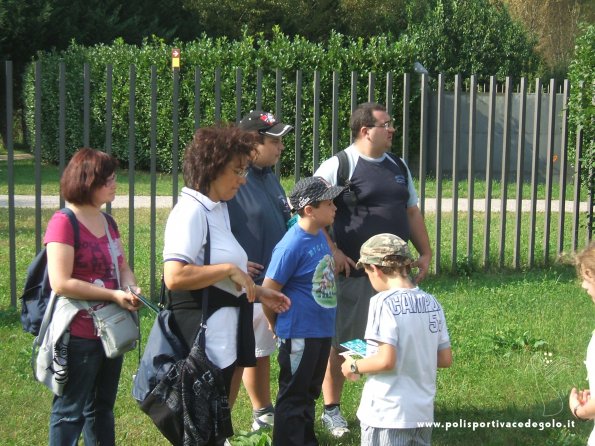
<point>549,167</point>
<point>470,167</point>
<point>335,114</point>
<point>504,173</point>
<point>389,93</point>
<point>298,124</point>
<point>62,123</point>
<point>520,162</point>
<point>197,78</point>
<point>259,89</point>
<point>371,87</point>
<point>175,157</point>
<point>37,173</point>
<point>489,156</point>
<point>455,168</point>
<point>12,259</point>
<point>439,113</point>
<point>218,95</point>
<point>109,100</point>
<point>278,109</point>
<point>563,162</point>
<point>577,187</point>
<point>279,94</point>
<point>423,141</point>
<point>131,163</point>
<point>316,123</point>
<point>590,204</point>
<point>86,104</point>
<point>406,100</point>
<point>353,96</point>
<point>238,95</point>
<point>534,171</point>
<point>153,171</point>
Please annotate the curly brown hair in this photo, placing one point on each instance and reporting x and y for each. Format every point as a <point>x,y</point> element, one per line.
<point>87,170</point>
<point>210,150</point>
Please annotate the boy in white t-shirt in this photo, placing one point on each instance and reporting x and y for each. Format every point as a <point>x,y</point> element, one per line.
<point>407,340</point>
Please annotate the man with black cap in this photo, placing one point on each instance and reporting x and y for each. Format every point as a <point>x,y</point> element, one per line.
<point>259,214</point>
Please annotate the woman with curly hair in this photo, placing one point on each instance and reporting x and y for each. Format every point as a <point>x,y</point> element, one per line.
<point>215,167</point>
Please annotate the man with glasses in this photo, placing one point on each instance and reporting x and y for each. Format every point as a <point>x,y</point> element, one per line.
<point>380,198</point>
<point>259,214</point>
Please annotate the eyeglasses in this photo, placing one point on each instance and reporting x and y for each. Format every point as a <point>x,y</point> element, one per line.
<point>242,173</point>
<point>387,125</point>
<point>111,179</point>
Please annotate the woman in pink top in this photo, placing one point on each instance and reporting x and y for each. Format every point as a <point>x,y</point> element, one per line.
<point>87,273</point>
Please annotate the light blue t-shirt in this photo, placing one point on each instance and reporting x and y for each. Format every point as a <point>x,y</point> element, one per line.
<point>303,264</point>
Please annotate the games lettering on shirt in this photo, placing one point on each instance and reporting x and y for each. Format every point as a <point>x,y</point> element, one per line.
<point>92,263</point>
<point>185,238</point>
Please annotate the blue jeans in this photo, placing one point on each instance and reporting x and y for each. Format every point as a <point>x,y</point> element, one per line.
<point>87,404</point>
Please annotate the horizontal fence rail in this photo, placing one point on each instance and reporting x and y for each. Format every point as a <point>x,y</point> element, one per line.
<point>450,131</point>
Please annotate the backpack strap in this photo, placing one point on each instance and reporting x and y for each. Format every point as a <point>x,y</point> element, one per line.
<point>343,169</point>
<point>75,225</point>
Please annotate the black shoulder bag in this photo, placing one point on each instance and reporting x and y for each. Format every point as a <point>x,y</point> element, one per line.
<point>184,396</point>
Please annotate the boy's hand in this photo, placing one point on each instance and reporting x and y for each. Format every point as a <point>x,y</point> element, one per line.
<point>346,369</point>
<point>273,299</point>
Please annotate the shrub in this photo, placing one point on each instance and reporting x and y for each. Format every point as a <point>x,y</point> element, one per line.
<point>581,106</point>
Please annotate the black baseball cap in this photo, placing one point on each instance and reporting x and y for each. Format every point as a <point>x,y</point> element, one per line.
<point>310,190</point>
<point>264,123</point>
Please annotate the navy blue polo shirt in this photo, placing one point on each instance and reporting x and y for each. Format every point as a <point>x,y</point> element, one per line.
<point>259,213</point>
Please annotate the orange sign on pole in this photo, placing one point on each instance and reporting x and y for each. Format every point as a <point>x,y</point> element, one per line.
<point>175,58</point>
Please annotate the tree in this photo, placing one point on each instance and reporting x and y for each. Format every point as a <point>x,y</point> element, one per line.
<point>473,37</point>
<point>555,23</point>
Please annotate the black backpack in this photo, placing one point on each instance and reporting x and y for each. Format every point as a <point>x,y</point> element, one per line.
<point>350,195</point>
<point>37,288</point>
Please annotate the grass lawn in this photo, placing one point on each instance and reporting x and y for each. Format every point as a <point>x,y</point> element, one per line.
<point>24,174</point>
<point>519,340</point>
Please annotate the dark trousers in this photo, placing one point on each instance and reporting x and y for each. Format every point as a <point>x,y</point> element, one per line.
<point>302,364</point>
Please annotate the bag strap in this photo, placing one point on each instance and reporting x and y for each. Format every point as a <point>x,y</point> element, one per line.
<point>343,169</point>
<point>75,225</point>
<point>200,339</point>
<point>112,249</point>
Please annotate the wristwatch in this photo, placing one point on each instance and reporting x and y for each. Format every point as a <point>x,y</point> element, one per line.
<point>354,368</point>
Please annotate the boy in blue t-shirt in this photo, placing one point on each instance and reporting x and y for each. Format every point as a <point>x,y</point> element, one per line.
<point>302,267</point>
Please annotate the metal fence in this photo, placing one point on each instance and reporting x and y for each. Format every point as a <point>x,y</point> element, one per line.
<point>458,141</point>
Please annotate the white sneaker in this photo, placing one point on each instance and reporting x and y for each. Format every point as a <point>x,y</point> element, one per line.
<point>264,421</point>
<point>334,422</point>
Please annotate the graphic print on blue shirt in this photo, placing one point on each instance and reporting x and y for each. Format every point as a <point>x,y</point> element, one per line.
<point>302,263</point>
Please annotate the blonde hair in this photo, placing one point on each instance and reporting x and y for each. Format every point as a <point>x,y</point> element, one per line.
<point>585,260</point>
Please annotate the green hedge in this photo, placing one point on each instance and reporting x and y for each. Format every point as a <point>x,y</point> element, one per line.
<point>342,54</point>
<point>581,105</point>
